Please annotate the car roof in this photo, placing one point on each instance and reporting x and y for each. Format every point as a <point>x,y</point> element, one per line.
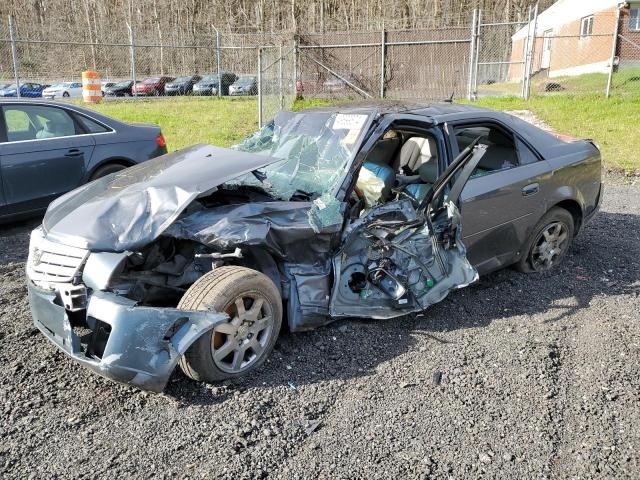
<point>435,111</point>
<point>439,113</point>
<point>110,121</point>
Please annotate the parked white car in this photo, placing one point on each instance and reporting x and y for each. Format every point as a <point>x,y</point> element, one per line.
<point>64,89</point>
<point>106,85</point>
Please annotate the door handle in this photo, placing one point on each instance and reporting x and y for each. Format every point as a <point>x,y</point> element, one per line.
<point>531,189</point>
<point>74,152</point>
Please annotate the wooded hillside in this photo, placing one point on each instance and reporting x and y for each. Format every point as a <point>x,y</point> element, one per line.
<point>189,18</point>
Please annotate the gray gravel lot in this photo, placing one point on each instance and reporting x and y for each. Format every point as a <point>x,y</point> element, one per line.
<point>517,376</point>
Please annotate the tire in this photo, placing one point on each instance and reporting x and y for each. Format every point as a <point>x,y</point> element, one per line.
<point>542,252</point>
<point>247,342</point>
<point>156,93</point>
<point>65,94</point>
<point>106,170</point>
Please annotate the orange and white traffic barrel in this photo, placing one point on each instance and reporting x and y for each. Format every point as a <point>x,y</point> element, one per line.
<point>91,91</point>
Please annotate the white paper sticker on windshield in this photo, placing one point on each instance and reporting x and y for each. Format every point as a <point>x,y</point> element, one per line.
<point>349,121</point>
<point>351,137</point>
<point>320,204</point>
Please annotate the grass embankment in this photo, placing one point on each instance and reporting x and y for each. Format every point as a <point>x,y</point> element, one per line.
<point>189,120</point>
<point>613,123</point>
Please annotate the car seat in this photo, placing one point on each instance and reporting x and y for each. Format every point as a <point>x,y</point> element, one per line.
<point>377,162</point>
<point>500,152</point>
<point>419,155</point>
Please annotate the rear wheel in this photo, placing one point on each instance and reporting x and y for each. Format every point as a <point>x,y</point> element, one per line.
<point>242,344</point>
<point>65,94</point>
<point>549,243</point>
<point>106,170</point>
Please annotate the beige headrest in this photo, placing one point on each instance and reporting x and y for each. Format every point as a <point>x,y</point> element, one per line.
<point>417,151</point>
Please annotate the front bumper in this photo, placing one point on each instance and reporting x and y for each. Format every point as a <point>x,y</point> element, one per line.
<point>239,93</point>
<point>205,91</point>
<point>127,343</point>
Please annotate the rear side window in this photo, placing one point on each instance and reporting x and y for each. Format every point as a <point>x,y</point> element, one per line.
<point>91,126</point>
<point>525,154</point>
<point>36,122</point>
<point>501,150</point>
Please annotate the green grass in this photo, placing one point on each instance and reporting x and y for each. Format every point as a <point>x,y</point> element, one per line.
<point>189,120</point>
<point>626,82</point>
<point>312,102</point>
<point>612,123</point>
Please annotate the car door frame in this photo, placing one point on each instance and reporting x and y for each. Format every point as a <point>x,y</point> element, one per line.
<point>3,139</point>
<point>450,180</point>
<point>375,133</point>
<point>507,248</point>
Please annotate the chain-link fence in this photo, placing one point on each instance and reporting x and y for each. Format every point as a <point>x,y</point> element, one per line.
<point>473,59</point>
<point>626,79</point>
<point>276,80</point>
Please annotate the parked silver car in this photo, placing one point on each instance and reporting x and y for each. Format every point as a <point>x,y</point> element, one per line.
<point>245,85</point>
<point>372,211</point>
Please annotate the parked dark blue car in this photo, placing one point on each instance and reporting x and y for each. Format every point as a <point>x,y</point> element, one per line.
<point>50,148</point>
<point>27,89</point>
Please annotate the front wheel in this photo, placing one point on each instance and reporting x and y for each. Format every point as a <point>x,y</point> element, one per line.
<point>66,94</point>
<point>549,243</point>
<point>242,344</point>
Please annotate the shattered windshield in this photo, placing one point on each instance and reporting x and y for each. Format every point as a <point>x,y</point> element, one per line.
<point>314,149</point>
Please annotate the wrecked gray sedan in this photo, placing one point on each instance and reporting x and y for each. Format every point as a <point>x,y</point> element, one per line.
<point>196,257</point>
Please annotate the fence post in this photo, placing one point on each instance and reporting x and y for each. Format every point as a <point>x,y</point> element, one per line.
<point>614,44</point>
<point>260,112</point>
<point>383,60</point>
<point>524,56</point>
<point>218,70</point>
<point>280,79</point>
<point>14,55</point>
<point>472,53</point>
<point>476,60</point>
<point>133,60</point>
<point>529,55</point>
<point>295,65</point>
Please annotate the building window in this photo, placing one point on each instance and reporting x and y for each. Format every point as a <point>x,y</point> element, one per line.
<point>634,19</point>
<point>586,27</point>
<point>546,42</point>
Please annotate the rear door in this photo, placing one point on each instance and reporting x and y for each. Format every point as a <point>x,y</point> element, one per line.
<point>504,196</point>
<point>44,155</point>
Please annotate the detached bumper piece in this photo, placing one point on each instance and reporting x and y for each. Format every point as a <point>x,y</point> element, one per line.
<point>119,340</point>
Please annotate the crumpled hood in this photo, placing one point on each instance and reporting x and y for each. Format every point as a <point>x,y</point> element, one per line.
<point>129,209</point>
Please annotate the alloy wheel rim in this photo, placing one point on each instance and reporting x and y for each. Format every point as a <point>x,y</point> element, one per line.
<point>549,246</point>
<point>241,342</point>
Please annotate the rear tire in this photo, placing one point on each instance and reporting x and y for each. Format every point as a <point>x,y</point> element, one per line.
<point>235,348</point>
<point>106,170</point>
<point>549,242</point>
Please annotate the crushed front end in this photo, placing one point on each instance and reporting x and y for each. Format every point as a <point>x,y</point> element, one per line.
<point>116,336</point>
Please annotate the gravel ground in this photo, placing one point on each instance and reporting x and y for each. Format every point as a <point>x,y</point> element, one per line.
<point>517,376</point>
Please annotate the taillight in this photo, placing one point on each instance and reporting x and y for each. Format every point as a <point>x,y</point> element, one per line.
<point>161,141</point>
